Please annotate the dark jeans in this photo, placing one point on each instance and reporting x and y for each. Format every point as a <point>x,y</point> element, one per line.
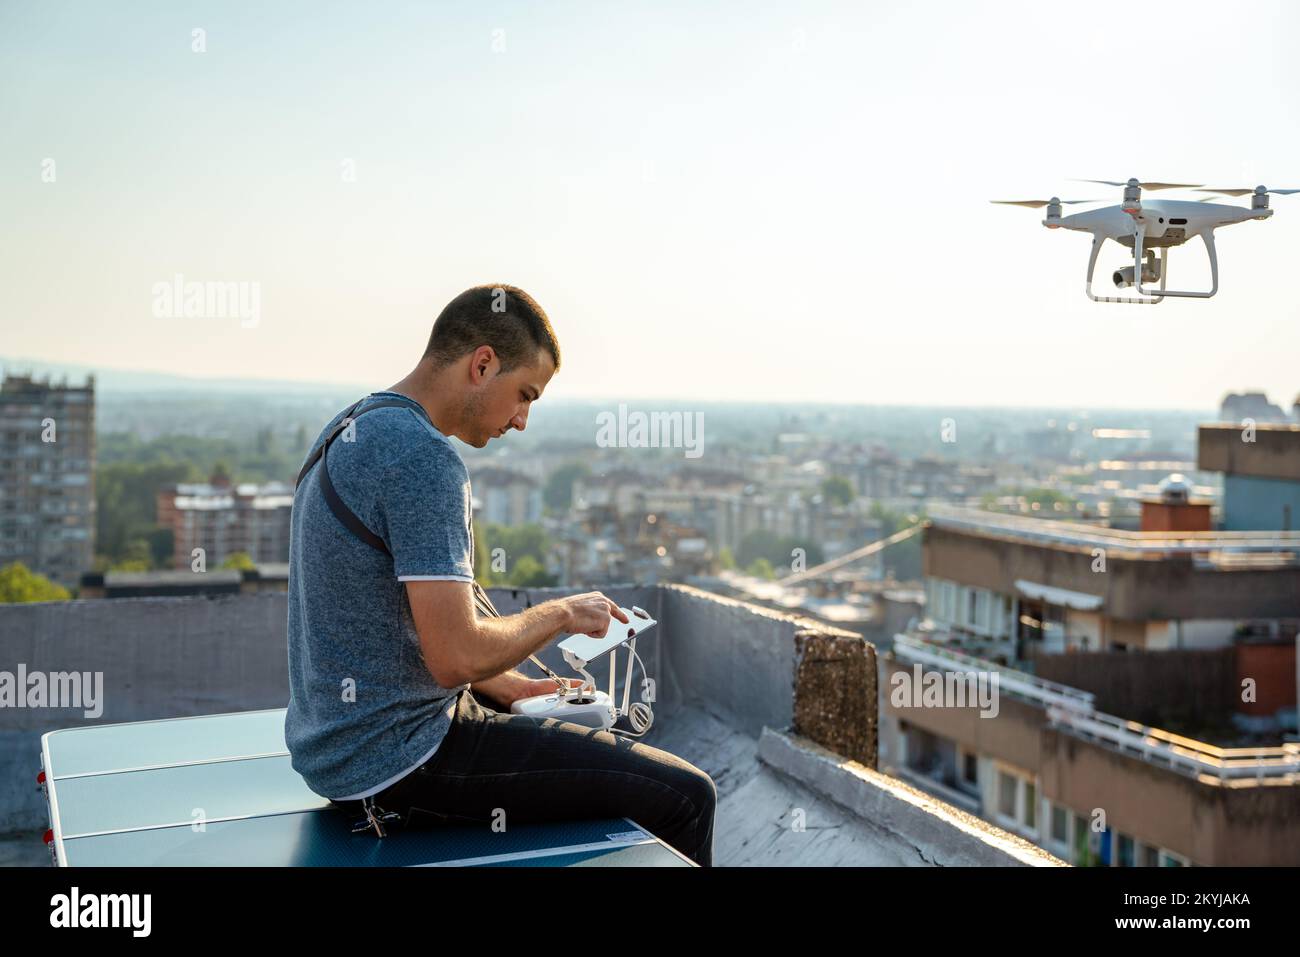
<point>539,770</point>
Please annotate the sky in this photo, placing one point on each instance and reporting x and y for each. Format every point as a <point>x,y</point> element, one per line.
<point>711,201</point>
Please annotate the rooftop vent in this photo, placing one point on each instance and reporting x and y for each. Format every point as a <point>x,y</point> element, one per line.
<point>1175,489</point>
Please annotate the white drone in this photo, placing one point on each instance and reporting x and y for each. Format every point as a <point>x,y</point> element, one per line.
<point>1157,224</point>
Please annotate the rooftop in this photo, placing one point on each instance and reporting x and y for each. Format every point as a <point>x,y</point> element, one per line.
<point>779,710</point>
<point>1285,546</point>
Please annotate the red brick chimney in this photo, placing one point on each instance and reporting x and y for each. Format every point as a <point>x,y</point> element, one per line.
<point>1174,510</point>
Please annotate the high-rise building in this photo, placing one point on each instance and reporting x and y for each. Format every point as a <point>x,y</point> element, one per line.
<point>47,476</point>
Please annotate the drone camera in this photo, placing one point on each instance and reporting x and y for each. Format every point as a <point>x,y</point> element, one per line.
<point>1123,278</point>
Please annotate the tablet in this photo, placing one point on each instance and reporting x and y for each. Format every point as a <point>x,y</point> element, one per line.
<point>585,648</point>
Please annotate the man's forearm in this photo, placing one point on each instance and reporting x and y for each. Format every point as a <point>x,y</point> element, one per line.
<point>501,643</point>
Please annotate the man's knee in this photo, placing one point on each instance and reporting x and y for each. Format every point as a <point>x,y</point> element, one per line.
<point>702,791</point>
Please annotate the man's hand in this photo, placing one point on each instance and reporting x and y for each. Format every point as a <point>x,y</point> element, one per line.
<point>538,686</point>
<point>589,614</point>
<point>505,689</point>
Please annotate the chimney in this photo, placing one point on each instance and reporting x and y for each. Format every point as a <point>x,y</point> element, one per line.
<point>1174,510</point>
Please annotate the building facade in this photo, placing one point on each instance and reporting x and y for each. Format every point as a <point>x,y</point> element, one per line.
<point>47,477</point>
<point>222,519</point>
<point>1145,685</point>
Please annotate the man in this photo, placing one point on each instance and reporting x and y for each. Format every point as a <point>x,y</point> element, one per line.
<point>393,677</point>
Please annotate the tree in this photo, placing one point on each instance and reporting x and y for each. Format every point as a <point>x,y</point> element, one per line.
<point>558,492</point>
<point>241,561</point>
<point>482,570</point>
<point>130,565</point>
<point>126,508</point>
<point>517,543</point>
<point>726,560</point>
<point>778,551</point>
<point>530,573</point>
<point>162,545</point>
<point>838,490</point>
<point>761,568</point>
<point>19,584</point>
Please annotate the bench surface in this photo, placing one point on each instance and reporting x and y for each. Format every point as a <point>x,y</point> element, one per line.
<point>218,790</point>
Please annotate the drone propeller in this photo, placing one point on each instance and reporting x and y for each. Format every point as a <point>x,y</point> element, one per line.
<point>1111,182</point>
<point>1249,192</point>
<point>1039,203</point>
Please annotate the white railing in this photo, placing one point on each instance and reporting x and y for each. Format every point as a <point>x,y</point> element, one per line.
<point>1182,754</point>
<point>1021,683</point>
<point>1073,709</point>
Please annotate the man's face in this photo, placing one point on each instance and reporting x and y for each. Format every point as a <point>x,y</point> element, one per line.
<point>501,400</point>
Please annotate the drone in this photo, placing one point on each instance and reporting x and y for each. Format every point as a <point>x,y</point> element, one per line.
<point>1156,224</point>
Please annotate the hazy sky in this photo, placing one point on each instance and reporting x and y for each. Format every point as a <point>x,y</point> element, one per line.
<point>725,201</point>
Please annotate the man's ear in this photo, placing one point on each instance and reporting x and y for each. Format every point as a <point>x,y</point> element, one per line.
<point>482,362</point>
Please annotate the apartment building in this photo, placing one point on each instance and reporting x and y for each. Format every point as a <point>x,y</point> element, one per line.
<point>222,518</point>
<point>506,497</point>
<point>1147,684</point>
<point>1261,473</point>
<point>47,476</point>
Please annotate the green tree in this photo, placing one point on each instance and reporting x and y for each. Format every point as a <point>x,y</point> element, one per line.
<point>240,561</point>
<point>726,560</point>
<point>777,550</point>
<point>1046,498</point>
<point>162,546</point>
<point>482,571</point>
<point>760,568</point>
<point>530,573</point>
<point>19,584</point>
<point>558,491</point>
<point>130,565</point>
<point>838,490</point>
<point>126,507</point>
<point>517,543</point>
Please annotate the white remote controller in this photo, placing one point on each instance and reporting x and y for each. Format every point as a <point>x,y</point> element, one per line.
<point>587,706</point>
<point>593,709</point>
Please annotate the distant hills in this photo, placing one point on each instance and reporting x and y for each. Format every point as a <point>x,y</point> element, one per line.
<point>135,381</point>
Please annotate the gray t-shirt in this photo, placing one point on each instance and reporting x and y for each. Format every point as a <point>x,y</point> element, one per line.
<point>363,709</point>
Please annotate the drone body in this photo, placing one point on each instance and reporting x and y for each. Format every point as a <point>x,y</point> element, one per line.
<point>1158,224</point>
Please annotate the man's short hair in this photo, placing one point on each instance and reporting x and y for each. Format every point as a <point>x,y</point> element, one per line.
<point>503,317</point>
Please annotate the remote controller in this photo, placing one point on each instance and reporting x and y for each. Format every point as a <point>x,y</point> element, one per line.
<point>586,705</point>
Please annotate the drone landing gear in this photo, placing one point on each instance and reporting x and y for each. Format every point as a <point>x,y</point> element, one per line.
<point>1206,237</point>
<point>1150,297</point>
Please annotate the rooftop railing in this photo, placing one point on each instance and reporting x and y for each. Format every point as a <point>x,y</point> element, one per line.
<point>1181,754</point>
<point>1072,709</point>
<point>1020,683</point>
